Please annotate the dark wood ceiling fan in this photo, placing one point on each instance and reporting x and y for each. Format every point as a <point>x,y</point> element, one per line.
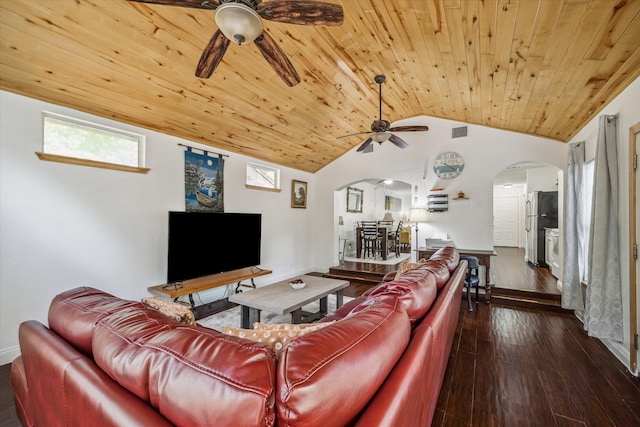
<point>240,21</point>
<point>380,129</point>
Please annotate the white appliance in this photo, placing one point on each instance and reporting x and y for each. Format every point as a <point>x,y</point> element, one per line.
<point>541,213</point>
<point>553,255</point>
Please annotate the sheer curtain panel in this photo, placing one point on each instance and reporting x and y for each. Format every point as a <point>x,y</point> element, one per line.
<point>575,238</point>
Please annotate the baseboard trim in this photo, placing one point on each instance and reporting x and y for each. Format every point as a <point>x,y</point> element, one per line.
<point>616,348</point>
<point>9,354</point>
<point>619,351</point>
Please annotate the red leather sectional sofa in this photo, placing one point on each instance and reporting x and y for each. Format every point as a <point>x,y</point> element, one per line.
<point>104,361</point>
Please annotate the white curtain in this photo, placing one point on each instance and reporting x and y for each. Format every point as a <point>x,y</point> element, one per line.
<point>575,238</point>
<point>603,313</point>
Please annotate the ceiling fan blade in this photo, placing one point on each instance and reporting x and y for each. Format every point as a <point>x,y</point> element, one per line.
<point>212,55</point>
<point>398,141</point>
<point>277,59</point>
<point>365,144</point>
<point>408,128</point>
<point>352,134</point>
<point>199,4</point>
<point>302,12</point>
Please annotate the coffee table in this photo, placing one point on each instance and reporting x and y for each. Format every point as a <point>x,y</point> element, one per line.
<point>280,298</point>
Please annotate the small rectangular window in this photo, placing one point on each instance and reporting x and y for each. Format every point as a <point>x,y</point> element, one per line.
<point>74,138</point>
<point>263,177</point>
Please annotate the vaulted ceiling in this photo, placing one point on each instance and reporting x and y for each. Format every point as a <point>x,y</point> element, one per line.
<point>541,67</point>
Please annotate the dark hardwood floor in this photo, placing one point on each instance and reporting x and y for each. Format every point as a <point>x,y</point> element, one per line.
<point>510,366</point>
<point>8,417</point>
<point>521,367</point>
<point>512,272</point>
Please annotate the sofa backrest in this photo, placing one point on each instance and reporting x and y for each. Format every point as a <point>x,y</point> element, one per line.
<point>66,388</point>
<point>409,395</point>
<point>415,288</point>
<point>449,254</point>
<point>443,319</point>
<point>440,270</point>
<point>327,376</point>
<point>193,376</point>
<point>74,314</point>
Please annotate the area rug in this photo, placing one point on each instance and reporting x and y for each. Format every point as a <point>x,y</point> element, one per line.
<point>391,259</point>
<point>231,317</point>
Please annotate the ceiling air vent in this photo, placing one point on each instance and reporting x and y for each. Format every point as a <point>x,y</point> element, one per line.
<point>459,132</point>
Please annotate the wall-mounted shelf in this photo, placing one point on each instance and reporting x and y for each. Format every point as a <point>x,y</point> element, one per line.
<point>438,202</point>
<point>461,196</point>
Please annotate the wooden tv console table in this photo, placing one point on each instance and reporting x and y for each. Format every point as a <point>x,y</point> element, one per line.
<point>192,286</point>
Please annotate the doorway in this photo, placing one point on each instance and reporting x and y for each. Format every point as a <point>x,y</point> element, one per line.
<point>513,268</point>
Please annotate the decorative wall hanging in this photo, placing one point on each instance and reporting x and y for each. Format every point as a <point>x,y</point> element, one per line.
<point>203,182</point>
<point>298,194</point>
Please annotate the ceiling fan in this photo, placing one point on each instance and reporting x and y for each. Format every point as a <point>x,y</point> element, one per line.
<point>380,129</point>
<point>240,21</point>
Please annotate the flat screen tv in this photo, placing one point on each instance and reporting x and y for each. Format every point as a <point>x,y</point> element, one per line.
<point>201,243</point>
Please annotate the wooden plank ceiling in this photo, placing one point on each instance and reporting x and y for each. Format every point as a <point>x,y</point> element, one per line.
<point>542,67</point>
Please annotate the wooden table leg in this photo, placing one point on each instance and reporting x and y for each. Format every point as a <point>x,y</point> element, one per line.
<point>296,316</point>
<point>486,261</point>
<point>248,317</point>
<point>323,306</point>
<point>339,298</point>
<point>385,242</point>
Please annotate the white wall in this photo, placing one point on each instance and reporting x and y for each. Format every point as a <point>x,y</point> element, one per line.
<point>542,179</point>
<point>63,226</point>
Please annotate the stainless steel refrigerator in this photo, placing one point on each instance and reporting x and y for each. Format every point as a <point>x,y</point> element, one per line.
<point>541,212</point>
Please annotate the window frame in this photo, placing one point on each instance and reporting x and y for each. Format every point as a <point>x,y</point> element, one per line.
<point>82,161</point>
<point>256,167</point>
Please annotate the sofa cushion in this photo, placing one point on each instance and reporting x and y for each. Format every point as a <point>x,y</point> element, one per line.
<point>74,314</point>
<point>415,288</point>
<point>277,336</point>
<point>319,373</point>
<point>180,370</point>
<point>173,310</point>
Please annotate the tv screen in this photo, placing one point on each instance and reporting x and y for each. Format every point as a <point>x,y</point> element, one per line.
<point>201,243</point>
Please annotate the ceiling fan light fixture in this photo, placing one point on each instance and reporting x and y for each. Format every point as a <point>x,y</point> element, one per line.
<point>380,137</point>
<point>238,22</point>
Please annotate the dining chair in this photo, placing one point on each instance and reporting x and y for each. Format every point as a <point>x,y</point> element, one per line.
<point>394,239</point>
<point>371,239</point>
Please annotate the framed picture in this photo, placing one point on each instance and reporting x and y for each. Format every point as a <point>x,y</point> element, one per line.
<point>298,194</point>
<point>354,199</point>
<point>392,203</point>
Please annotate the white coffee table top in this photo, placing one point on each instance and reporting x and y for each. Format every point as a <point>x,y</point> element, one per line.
<point>280,298</point>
